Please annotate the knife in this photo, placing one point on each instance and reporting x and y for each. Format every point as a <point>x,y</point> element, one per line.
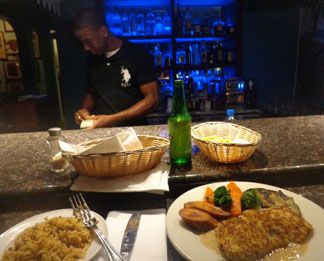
<point>130,235</point>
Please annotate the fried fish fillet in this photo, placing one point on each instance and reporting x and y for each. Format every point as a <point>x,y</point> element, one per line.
<point>257,233</point>
<point>209,208</point>
<point>198,219</point>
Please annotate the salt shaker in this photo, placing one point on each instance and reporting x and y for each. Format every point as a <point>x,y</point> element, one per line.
<point>57,163</point>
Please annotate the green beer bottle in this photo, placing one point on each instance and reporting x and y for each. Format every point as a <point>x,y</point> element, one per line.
<point>179,123</point>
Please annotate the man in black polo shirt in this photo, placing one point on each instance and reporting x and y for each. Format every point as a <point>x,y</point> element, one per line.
<point>122,85</point>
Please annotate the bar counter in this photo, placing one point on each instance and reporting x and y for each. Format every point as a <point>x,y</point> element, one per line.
<point>290,155</point>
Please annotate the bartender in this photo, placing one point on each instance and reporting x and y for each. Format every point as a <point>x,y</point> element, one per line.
<point>122,85</point>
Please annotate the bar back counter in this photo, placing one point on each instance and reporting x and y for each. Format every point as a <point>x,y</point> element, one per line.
<point>290,156</point>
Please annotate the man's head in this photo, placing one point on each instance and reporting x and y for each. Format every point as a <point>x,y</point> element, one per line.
<point>90,28</point>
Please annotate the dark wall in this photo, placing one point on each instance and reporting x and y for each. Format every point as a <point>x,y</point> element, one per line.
<point>270,51</point>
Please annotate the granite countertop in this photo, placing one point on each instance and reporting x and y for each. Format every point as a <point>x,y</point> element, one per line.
<point>291,153</point>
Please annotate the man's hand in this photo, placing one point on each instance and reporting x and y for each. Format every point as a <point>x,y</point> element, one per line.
<point>82,114</point>
<point>102,120</point>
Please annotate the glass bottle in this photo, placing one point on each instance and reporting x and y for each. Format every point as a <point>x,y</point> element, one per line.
<point>181,56</point>
<point>166,21</point>
<point>158,28</point>
<point>57,163</point>
<point>158,56</point>
<point>179,123</point>
<point>132,23</point>
<point>219,25</point>
<point>117,22</point>
<point>140,24</point>
<point>188,22</point>
<point>203,53</point>
<point>150,23</point>
<point>125,24</point>
<point>179,21</point>
<point>206,26</point>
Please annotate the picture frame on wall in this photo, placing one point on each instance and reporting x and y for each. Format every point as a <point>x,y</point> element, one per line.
<point>12,69</point>
<point>8,27</point>
<point>3,52</point>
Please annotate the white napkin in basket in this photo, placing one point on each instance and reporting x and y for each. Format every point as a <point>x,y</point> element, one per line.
<point>125,140</point>
<point>153,181</point>
<point>151,240</point>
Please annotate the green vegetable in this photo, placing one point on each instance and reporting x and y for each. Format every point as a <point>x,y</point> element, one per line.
<point>222,198</point>
<point>250,200</point>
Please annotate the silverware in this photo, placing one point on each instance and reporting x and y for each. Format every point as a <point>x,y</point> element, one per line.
<point>81,210</point>
<point>130,235</point>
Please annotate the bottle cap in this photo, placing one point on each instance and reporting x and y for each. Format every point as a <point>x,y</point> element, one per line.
<point>55,131</point>
<point>230,113</point>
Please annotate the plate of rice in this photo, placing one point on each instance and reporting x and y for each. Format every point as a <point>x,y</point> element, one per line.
<point>54,235</point>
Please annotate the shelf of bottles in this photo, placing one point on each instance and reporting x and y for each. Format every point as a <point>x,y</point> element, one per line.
<point>196,42</point>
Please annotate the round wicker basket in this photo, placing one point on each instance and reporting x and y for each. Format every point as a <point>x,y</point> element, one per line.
<point>229,152</point>
<point>122,163</point>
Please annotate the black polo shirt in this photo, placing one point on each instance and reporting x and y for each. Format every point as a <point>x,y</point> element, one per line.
<point>115,81</point>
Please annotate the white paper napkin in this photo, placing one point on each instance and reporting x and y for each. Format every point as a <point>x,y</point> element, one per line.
<point>153,181</point>
<point>125,140</point>
<point>151,239</point>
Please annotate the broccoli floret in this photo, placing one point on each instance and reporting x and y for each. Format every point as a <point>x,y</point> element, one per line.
<point>222,198</point>
<point>250,200</point>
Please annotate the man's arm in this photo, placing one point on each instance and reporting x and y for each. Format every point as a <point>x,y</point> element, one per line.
<point>150,92</point>
<point>87,106</point>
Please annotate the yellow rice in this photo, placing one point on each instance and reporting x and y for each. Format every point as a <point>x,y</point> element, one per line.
<point>59,238</point>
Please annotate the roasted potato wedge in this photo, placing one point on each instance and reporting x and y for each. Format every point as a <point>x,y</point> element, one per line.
<point>198,219</point>
<point>209,208</point>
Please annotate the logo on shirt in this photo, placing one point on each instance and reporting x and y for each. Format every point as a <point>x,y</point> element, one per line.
<point>125,77</point>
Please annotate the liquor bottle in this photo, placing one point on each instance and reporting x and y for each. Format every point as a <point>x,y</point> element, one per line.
<point>181,56</point>
<point>188,22</point>
<point>110,19</point>
<point>125,24</point>
<point>220,52</point>
<point>167,60</point>
<point>189,55</point>
<point>132,23</point>
<point>158,28</point>
<point>158,56</point>
<point>140,24</point>
<point>166,22</point>
<point>250,94</point>
<point>204,53</point>
<point>196,24</point>
<point>150,23</point>
<point>219,25</point>
<point>205,29</point>
<point>212,54</point>
<point>195,54</point>
<point>179,123</point>
<point>117,22</point>
<point>179,21</point>
<point>57,163</point>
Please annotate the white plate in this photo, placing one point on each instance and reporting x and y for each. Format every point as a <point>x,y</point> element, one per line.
<point>189,245</point>
<point>8,237</point>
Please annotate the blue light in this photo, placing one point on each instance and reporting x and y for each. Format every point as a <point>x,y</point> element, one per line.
<point>158,40</point>
<point>136,3</point>
<point>193,39</point>
<point>205,2</point>
<point>166,3</point>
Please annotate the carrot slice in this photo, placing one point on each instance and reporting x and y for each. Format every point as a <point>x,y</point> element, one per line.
<point>236,194</point>
<point>209,195</point>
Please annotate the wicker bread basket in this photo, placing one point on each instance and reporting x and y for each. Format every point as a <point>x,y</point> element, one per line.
<point>122,163</point>
<point>229,152</point>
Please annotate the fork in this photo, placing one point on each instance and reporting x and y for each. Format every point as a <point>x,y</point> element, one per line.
<point>81,210</point>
